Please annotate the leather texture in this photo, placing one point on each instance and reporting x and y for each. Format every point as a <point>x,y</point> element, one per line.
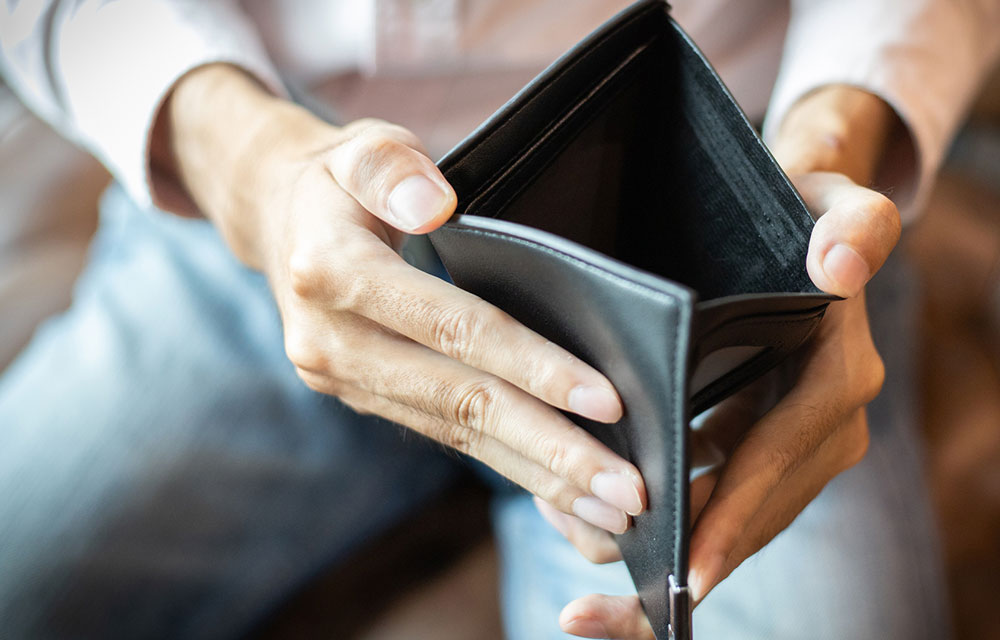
<point>622,206</point>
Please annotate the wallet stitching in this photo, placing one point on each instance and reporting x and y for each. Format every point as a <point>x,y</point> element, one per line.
<point>680,454</point>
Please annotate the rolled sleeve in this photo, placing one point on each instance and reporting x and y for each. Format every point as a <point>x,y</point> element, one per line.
<point>925,58</point>
<point>100,71</point>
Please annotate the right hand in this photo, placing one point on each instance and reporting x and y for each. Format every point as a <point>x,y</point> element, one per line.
<point>322,210</point>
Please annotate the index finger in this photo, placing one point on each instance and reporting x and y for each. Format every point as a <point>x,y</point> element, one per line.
<point>468,329</point>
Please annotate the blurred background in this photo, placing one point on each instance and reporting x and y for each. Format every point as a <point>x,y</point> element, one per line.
<point>435,577</point>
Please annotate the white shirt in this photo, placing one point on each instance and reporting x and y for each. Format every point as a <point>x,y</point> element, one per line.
<point>98,70</point>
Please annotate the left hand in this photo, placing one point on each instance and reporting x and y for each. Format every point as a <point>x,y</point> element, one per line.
<point>777,455</point>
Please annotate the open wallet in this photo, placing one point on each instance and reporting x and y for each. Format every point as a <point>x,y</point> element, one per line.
<point>622,206</point>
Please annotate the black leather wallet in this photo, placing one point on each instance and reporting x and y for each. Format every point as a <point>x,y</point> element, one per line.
<point>622,206</point>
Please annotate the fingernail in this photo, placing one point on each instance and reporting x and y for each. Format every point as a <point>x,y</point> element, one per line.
<point>596,403</point>
<point>847,268</point>
<point>617,489</point>
<point>600,514</point>
<point>701,579</point>
<point>587,627</point>
<point>415,201</point>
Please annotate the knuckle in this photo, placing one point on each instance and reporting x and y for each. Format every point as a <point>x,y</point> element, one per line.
<point>552,489</point>
<point>875,379</point>
<point>304,353</point>
<point>310,379</point>
<point>322,384</point>
<point>473,404</point>
<point>306,277</point>
<point>558,455</point>
<point>370,153</point>
<point>462,439</point>
<point>858,440</point>
<point>869,376</point>
<point>401,134</point>
<point>542,375</point>
<point>375,126</point>
<point>884,212</point>
<point>457,331</point>
<point>883,207</point>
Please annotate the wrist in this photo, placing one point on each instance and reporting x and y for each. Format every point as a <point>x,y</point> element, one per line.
<point>836,128</point>
<point>231,144</point>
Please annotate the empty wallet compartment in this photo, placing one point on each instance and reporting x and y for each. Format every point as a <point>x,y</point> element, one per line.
<point>622,206</point>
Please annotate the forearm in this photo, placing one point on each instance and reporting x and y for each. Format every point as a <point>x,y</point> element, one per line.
<point>836,128</point>
<point>925,58</point>
<point>219,137</point>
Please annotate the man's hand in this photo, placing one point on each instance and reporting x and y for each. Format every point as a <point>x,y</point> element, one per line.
<point>322,210</point>
<point>776,444</point>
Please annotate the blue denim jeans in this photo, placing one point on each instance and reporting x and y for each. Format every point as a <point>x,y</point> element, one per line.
<point>164,474</point>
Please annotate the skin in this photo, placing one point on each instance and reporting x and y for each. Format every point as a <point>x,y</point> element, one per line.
<point>779,442</point>
<point>312,206</point>
<point>320,210</point>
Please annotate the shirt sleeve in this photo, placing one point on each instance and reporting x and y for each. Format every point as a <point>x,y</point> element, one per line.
<point>98,71</point>
<point>925,58</point>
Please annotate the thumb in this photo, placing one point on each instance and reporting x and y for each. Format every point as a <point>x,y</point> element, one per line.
<point>856,231</point>
<point>384,168</point>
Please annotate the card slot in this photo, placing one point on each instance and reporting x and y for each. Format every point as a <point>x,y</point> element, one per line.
<point>470,165</point>
<point>509,181</point>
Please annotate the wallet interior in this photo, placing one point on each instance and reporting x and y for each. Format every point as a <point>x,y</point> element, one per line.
<point>636,150</point>
<point>639,167</point>
<point>622,206</point>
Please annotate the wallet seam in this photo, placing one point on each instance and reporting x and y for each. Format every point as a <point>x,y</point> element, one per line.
<point>679,507</point>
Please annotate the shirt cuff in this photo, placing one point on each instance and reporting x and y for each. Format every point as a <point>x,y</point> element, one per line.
<point>923,57</point>
<point>119,62</point>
